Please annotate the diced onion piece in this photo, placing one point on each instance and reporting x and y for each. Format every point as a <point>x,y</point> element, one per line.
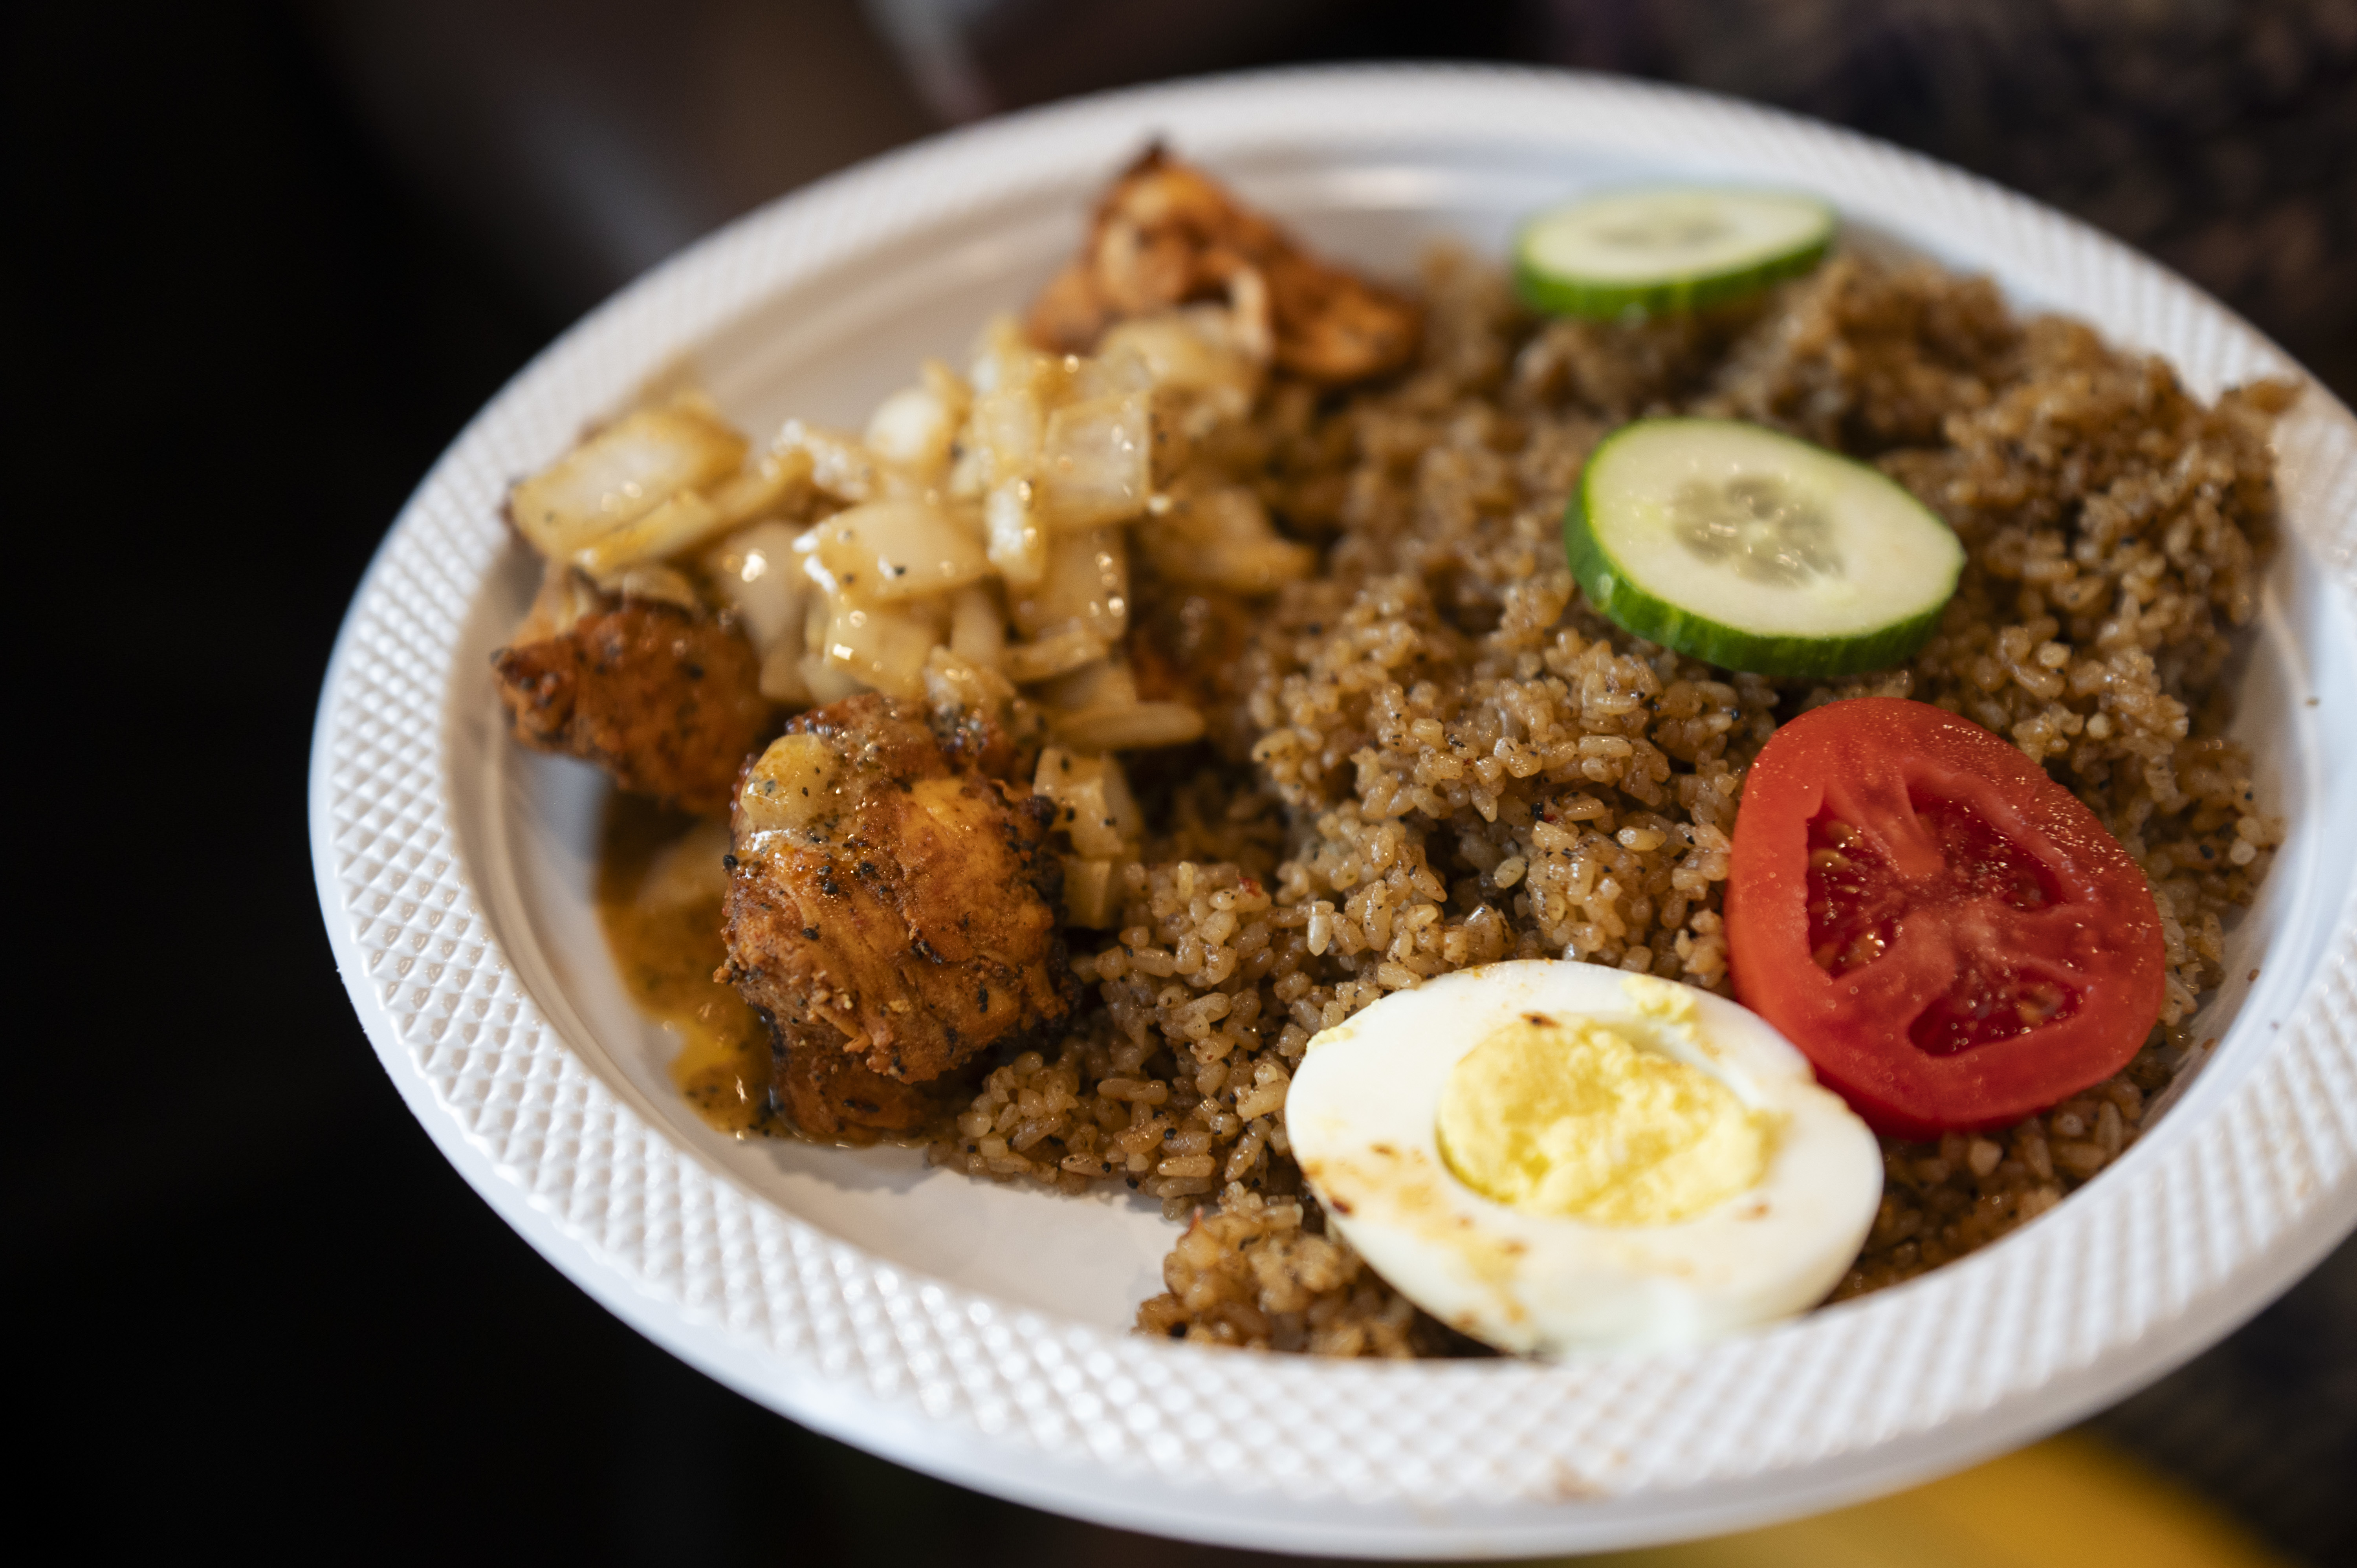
<point>1093,891</point>
<point>757,575</point>
<point>1107,683</point>
<point>840,464</point>
<point>1114,372</point>
<point>1006,428</point>
<point>954,685</point>
<point>825,683</point>
<point>622,472</point>
<point>1003,356</point>
<point>1095,461</point>
<point>1053,655</point>
<point>969,476</point>
<point>565,597</point>
<point>1086,583</point>
<point>791,786</point>
<point>912,429</point>
<point>884,552</point>
<point>1224,540</point>
<point>653,580</point>
<point>763,485</point>
<point>1195,350</point>
<point>782,680</point>
<point>1018,545</point>
<point>947,385</point>
<point>879,648</point>
<point>1093,801</point>
<point>1130,726</point>
<point>978,627</point>
<point>683,521</point>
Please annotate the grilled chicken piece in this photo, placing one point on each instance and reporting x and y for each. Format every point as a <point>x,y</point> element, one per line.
<point>1166,234</point>
<point>668,701</point>
<point>830,1095</point>
<point>902,899</point>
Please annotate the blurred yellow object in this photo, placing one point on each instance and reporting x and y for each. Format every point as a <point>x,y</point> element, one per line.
<point>2069,1502</point>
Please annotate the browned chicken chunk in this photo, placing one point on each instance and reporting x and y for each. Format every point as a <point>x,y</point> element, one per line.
<point>830,1095</point>
<point>905,900</point>
<point>1167,234</point>
<point>667,700</point>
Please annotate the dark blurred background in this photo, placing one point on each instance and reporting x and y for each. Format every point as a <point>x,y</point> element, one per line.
<point>268,259</point>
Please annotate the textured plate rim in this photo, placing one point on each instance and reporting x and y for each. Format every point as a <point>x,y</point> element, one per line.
<point>1392,1460</point>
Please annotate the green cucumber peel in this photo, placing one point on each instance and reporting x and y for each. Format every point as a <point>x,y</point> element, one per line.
<point>1854,642</point>
<point>1550,282</point>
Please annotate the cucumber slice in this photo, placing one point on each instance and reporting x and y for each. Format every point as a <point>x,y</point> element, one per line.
<point>1755,551</point>
<point>1652,253</point>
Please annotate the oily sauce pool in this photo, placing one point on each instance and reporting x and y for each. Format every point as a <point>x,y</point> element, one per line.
<point>659,885</point>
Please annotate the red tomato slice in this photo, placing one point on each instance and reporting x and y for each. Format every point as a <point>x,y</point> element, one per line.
<point>1951,938</point>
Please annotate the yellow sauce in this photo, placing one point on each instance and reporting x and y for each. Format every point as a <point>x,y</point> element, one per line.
<point>660,906</point>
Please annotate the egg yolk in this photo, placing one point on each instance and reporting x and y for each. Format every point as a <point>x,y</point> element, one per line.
<point>1579,1121</point>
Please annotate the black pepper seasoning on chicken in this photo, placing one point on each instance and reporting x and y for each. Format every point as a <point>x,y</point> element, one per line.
<point>890,895</point>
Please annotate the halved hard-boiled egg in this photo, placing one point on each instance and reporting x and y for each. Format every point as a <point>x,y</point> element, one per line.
<point>1553,1157</point>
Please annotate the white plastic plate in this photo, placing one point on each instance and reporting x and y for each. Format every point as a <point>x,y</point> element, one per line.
<point>980,1333</point>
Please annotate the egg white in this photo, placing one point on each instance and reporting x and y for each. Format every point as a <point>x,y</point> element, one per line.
<point>1362,1114</point>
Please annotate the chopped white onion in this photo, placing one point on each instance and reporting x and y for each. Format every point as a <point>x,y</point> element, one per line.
<point>1018,545</point>
<point>1093,891</point>
<point>884,552</point>
<point>1107,373</point>
<point>1106,683</point>
<point>825,683</point>
<point>1006,428</point>
<point>683,521</point>
<point>1096,460</point>
<point>840,464</point>
<point>968,513</point>
<point>782,676</point>
<point>1224,540</point>
<point>955,685</point>
<point>1002,356</point>
<point>565,597</point>
<point>790,785</point>
<point>913,429</point>
<point>1202,351</point>
<point>978,627</point>
<point>653,580</point>
<point>1093,799</point>
<point>1086,583</point>
<point>758,574</point>
<point>622,472</point>
<point>1130,726</point>
<point>1052,655</point>
<point>761,485</point>
<point>879,648</point>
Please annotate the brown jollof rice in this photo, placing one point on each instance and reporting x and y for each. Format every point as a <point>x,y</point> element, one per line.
<point>1435,755</point>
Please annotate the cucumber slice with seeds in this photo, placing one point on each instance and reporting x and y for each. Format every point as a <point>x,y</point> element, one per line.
<point>1656,251</point>
<point>1754,551</point>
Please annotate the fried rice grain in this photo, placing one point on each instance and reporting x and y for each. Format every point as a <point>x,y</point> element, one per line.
<point>1434,754</point>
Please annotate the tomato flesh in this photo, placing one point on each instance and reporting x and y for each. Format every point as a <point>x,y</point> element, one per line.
<point>1856,900</point>
<point>1951,938</point>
